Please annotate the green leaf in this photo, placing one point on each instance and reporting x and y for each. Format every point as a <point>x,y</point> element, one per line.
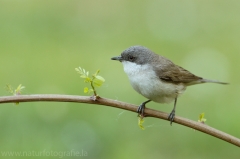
<point>87,80</point>
<point>82,72</point>
<point>83,76</point>
<point>201,118</point>
<point>79,70</point>
<point>98,81</point>
<point>9,88</point>
<point>85,90</point>
<point>97,72</point>
<point>140,123</point>
<point>19,89</point>
<point>90,90</point>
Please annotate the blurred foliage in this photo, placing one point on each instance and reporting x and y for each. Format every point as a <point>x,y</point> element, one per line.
<point>42,41</point>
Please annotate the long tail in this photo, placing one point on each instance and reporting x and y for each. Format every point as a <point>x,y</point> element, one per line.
<point>202,80</point>
<point>211,81</point>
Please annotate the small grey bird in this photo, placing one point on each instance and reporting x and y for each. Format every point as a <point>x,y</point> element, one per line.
<point>156,77</point>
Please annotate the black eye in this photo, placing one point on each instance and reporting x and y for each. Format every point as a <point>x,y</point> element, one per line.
<point>131,58</point>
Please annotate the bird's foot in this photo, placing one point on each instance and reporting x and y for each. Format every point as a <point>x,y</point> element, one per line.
<point>171,116</point>
<point>140,110</point>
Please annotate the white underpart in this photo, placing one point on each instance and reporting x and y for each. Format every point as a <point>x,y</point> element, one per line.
<point>144,80</point>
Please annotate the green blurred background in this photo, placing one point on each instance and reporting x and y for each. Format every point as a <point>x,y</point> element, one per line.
<point>41,42</point>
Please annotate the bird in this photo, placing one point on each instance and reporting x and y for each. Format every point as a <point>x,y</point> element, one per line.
<point>156,78</point>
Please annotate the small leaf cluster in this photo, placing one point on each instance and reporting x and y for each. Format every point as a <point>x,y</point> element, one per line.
<point>201,118</point>
<point>16,91</point>
<point>95,81</point>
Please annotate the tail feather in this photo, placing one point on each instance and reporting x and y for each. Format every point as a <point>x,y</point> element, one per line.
<point>202,80</point>
<point>212,81</point>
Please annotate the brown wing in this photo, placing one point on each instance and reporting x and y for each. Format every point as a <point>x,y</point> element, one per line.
<point>170,72</point>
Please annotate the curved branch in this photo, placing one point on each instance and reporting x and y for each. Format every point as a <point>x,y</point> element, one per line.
<point>117,104</point>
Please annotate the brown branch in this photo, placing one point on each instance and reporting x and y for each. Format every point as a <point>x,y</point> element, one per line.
<point>117,104</point>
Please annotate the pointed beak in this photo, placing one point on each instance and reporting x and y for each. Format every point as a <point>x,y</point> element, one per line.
<point>118,58</point>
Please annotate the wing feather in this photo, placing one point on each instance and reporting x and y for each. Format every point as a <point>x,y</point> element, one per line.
<point>170,72</point>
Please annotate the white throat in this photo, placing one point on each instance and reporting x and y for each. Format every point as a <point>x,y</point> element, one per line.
<point>131,68</point>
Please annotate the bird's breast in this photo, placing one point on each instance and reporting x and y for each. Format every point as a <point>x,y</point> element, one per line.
<point>145,81</point>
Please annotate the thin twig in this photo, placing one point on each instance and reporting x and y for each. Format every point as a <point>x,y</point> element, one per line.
<point>117,104</point>
<point>94,91</point>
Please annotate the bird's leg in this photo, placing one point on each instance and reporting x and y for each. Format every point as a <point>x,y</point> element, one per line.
<point>141,108</point>
<point>172,114</point>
